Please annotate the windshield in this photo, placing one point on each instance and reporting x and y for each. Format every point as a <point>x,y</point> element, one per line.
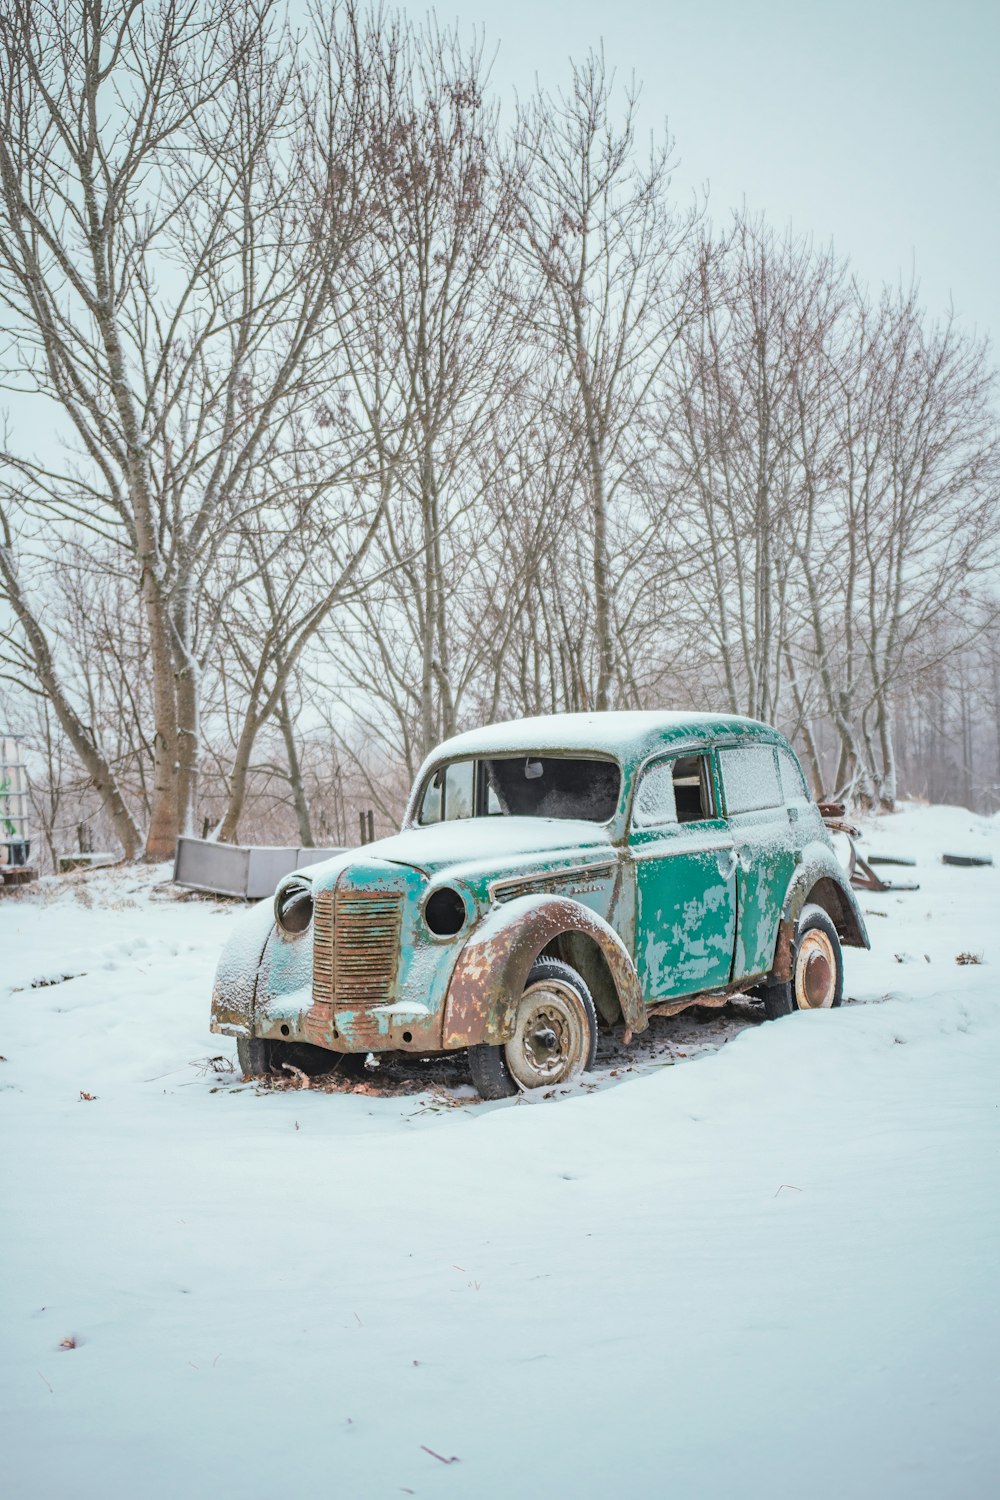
<point>532,786</point>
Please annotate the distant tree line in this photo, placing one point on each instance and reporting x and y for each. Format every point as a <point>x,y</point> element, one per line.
<point>346,410</point>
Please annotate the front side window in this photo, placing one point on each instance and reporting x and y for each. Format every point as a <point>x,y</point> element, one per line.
<point>673,791</point>
<point>525,786</point>
<point>749,778</point>
<point>654,797</point>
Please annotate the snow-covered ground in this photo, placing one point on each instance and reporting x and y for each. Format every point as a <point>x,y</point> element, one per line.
<point>763,1262</point>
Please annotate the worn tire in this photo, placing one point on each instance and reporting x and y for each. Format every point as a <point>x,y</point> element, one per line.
<point>782,996</point>
<point>490,1074</point>
<point>254,1054</point>
<point>259,1057</point>
<point>489,1066</point>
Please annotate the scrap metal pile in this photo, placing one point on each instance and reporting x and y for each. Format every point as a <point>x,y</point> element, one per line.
<point>862,875</point>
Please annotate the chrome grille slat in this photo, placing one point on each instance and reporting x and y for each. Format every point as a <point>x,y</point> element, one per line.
<point>323,948</point>
<point>355,950</point>
<point>367,948</point>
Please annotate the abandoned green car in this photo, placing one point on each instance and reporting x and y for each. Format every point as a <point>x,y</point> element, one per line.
<point>552,875</point>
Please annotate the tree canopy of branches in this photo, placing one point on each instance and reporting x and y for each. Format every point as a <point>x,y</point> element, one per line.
<point>344,411</point>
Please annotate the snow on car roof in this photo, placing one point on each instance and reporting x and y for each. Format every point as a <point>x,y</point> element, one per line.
<point>626,733</point>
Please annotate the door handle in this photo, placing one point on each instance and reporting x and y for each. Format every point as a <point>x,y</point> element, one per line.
<point>728,870</point>
<point>793,815</point>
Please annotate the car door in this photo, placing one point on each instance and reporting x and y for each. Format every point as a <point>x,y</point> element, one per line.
<point>763,839</point>
<point>685,887</point>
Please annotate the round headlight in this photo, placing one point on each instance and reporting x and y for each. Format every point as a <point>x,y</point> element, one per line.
<point>444,911</point>
<point>293,906</point>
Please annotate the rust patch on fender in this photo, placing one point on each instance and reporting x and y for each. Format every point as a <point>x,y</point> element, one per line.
<point>783,948</point>
<point>317,1023</point>
<point>491,972</point>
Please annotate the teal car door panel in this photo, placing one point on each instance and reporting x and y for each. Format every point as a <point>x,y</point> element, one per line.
<point>685,881</point>
<point>764,838</point>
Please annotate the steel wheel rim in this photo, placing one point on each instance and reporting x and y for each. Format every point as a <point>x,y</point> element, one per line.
<point>551,1040</point>
<point>815,971</point>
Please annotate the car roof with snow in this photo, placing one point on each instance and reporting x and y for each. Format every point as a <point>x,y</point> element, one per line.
<point>629,734</point>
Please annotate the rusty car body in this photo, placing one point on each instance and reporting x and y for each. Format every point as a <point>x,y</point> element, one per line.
<point>551,875</point>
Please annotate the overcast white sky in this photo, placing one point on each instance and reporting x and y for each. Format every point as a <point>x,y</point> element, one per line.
<point>875,125</point>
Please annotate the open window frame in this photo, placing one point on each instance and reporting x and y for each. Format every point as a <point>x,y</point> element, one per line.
<point>708,790</point>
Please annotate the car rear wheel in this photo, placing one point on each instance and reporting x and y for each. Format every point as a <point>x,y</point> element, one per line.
<point>554,1040</point>
<point>817,977</point>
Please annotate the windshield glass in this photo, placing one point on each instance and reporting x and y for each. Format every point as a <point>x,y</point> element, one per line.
<point>542,786</point>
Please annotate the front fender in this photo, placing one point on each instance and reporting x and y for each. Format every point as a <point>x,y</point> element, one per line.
<point>492,969</point>
<point>236,975</point>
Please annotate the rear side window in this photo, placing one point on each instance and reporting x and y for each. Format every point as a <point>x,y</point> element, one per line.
<point>750,778</point>
<point>793,783</point>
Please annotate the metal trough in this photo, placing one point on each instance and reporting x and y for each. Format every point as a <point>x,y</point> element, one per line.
<point>239,869</point>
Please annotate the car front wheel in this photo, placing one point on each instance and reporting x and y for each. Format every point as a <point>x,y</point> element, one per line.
<point>554,1040</point>
<point>260,1057</point>
<point>254,1054</point>
<point>817,977</point>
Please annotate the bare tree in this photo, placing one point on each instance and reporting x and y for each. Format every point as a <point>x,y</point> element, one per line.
<point>358,419</point>
<point>177,200</point>
<point>39,674</point>
<point>432,346</point>
<point>908,517</point>
<point>602,236</point>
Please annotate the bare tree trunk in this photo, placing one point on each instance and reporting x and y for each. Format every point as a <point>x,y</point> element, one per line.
<point>602,582</point>
<point>295,774</point>
<point>805,727</point>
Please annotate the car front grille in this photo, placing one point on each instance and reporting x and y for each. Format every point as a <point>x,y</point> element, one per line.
<point>355,948</point>
<point>323,947</point>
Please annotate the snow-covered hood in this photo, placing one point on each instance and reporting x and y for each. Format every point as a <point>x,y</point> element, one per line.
<point>480,844</point>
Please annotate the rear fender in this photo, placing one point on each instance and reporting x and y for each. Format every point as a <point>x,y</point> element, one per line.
<point>489,977</point>
<point>821,881</point>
